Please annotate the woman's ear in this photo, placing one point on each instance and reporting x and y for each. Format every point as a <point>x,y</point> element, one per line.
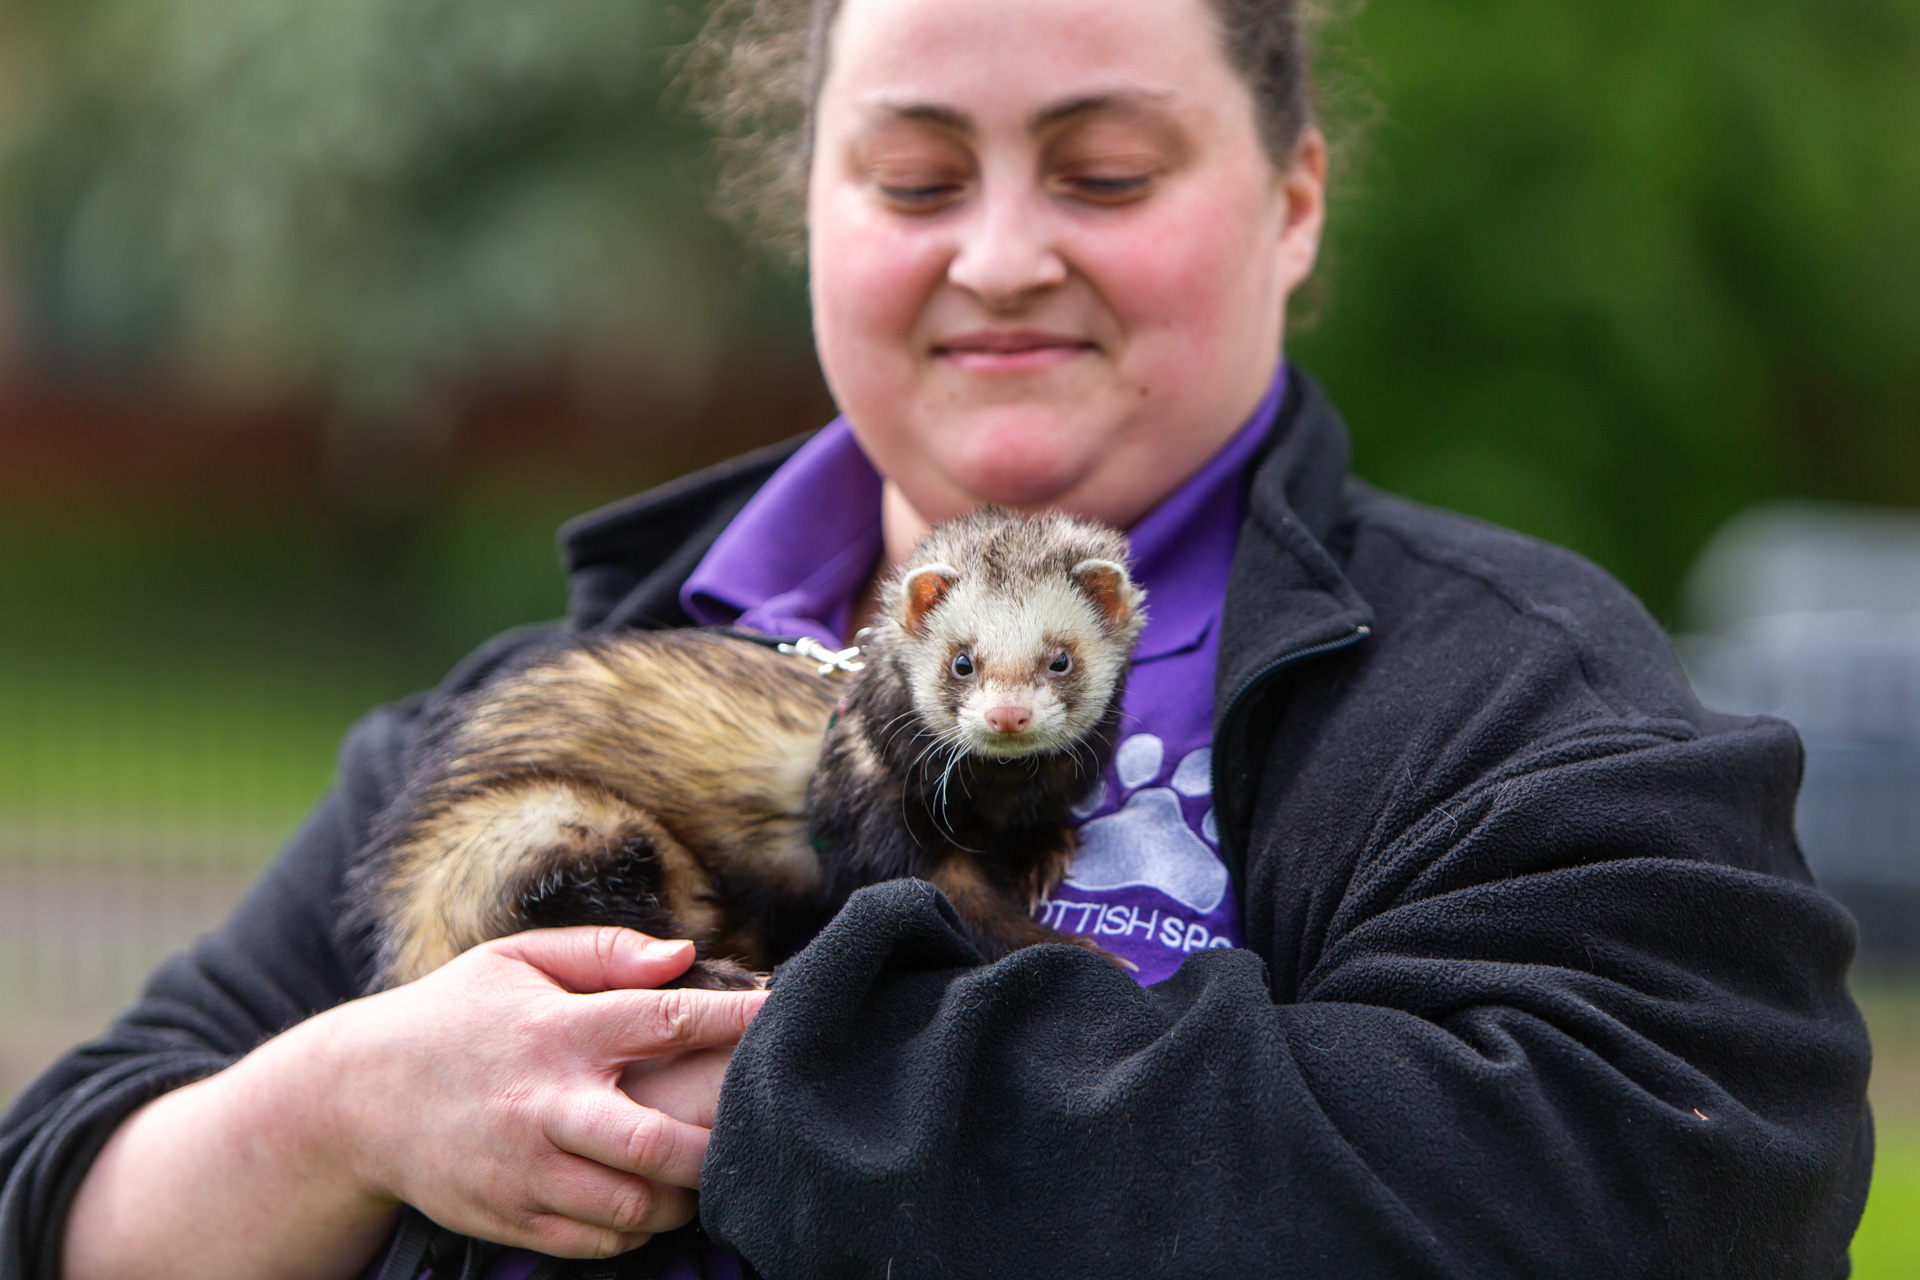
<point>1302,186</point>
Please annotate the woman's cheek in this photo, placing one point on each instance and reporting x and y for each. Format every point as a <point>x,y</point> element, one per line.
<point>1191,271</point>
<point>870,285</point>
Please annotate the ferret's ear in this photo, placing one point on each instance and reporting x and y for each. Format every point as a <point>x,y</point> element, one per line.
<point>923,591</point>
<point>1108,586</point>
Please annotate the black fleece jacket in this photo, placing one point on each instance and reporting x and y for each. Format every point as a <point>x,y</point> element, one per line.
<point>1536,980</point>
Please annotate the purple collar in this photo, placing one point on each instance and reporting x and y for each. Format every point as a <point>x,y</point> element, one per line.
<point>796,558</point>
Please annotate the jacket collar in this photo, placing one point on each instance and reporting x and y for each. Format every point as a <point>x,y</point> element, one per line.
<point>1287,600</point>
<point>626,562</point>
<point>1285,593</point>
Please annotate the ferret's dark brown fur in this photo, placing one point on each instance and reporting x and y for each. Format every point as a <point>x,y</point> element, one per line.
<point>701,785</point>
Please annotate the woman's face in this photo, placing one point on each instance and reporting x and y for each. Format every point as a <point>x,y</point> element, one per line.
<point>1050,257</point>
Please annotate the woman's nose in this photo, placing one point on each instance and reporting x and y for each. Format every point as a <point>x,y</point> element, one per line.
<point>1007,249</point>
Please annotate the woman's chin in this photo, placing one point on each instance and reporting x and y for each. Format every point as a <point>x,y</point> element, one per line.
<point>1024,467</point>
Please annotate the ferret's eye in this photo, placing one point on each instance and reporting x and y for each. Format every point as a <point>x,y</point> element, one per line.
<point>962,666</point>
<point>1061,664</point>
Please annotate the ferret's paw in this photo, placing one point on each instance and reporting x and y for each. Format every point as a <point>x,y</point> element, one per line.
<point>1100,951</point>
<point>720,975</point>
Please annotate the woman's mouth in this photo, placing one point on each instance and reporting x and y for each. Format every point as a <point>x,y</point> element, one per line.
<point>1010,350</point>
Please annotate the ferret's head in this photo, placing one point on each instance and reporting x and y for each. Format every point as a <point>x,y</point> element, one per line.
<point>1014,632</point>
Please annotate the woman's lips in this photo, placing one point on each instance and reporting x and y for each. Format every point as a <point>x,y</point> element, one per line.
<point>1016,351</point>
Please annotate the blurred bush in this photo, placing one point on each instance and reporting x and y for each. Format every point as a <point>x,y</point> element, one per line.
<point>1616,269</point>
<point>1610,271</point>
<point>369,200</point>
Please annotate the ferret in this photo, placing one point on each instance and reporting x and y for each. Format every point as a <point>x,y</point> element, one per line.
<point>707,785</point>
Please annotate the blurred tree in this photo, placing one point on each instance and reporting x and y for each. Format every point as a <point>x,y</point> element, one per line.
<point>372,200</point>
<point>1618,268</point>
<point>1615,268</point>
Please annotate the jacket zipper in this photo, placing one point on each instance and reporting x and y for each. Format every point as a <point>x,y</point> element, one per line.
<point>1236,866</point>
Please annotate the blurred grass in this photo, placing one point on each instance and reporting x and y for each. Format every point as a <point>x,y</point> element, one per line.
<point>1888,1244</point>
<point>174,684</point>
<point>248,742</point>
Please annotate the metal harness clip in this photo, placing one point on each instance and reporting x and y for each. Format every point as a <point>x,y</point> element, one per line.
<point>830,660</point>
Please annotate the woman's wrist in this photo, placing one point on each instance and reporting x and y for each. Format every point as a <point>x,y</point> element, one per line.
<point>264,1142</point>
<point>305,1093</point>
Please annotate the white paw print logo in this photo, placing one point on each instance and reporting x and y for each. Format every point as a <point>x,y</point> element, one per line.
<point>1148,842</point>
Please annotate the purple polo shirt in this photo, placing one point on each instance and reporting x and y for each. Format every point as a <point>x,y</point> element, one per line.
<point>1148,882</point>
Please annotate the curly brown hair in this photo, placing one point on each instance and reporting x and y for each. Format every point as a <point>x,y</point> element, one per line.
<point>755,69</point>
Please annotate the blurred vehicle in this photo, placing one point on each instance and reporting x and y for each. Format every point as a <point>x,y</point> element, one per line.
<point>1812,613</point>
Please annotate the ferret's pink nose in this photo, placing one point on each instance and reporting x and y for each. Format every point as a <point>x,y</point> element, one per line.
<point>1008,719</point>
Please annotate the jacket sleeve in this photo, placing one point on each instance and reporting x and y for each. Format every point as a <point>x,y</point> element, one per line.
<point>1547,1031</point>
<point>288,951</point>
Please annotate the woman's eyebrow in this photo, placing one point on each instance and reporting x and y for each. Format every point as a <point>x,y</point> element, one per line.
<point>1127,102</point>
<point>1130,102</point>
<point>933,113</point>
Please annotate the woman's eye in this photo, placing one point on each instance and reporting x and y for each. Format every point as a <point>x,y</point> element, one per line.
<point>919,197</point>
<point>962,665</point>
<point>1113,190</point>
<point>1061,664</point>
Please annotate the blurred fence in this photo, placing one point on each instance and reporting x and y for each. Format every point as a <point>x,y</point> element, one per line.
<point>139,793</point>
<point>75,942</point>
<point>1813,614</point>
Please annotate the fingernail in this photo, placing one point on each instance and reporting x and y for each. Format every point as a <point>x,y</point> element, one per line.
<point>663,948</point>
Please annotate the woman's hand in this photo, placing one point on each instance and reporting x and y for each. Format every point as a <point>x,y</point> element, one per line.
<point>487,1094</point>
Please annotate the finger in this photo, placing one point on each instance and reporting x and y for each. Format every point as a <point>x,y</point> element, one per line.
<point>590,1194</point>
<point>653,1024</point>
<point>560,1237</point>
<point>594,958</point>
<point>685,1086</point>
<point>611,1130</point>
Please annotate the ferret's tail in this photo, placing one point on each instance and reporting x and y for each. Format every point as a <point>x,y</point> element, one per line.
<point>534,852</point>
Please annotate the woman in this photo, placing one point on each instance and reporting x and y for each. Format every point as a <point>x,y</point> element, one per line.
<point>1518,969</point>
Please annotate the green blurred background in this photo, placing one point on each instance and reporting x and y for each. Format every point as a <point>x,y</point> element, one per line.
<point>315,318</point>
